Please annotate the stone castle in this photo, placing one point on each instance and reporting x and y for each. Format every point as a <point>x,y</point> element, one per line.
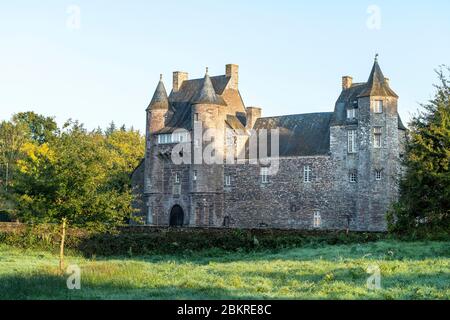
<point>336,170</point>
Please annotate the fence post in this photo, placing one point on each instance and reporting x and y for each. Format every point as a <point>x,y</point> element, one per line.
<point>61,249</point>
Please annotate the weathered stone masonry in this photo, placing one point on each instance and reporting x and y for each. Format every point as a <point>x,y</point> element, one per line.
<point>346,187</point>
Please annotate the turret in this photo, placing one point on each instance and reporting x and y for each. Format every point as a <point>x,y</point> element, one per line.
<point>377,148</point>
<point>207,148</point>
<point>157,109</point>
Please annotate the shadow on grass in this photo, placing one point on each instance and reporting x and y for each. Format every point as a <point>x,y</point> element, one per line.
<point>53,287</point>
<point>40,287</point>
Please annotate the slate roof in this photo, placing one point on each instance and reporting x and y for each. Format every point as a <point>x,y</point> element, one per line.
<point>300,134</point>
<point>375,86</point>
<point>181,101</point>
<point>207,94</point>
<point>160,99</point>
<point>234,122</point>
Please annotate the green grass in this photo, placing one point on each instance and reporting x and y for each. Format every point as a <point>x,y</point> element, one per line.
<point>409,270</point>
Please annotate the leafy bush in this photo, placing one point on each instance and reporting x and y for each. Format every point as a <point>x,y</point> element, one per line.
<point>141,240</point>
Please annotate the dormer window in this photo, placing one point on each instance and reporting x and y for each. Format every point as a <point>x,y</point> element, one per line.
<point>378,106</point>
<point>351,114</point>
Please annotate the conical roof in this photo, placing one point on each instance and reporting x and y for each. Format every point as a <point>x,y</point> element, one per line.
<point>207,94</point>
<point>160,100</point>
<point>377,84</point>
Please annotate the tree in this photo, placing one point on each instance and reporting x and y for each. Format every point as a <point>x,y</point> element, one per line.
<point>13,136</point>
<point>79,175</point>
<point>41,128</point>
<point>424,202</point>
<point>111,128</point>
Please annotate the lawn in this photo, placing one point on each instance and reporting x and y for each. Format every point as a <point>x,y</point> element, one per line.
<point>409,270</point>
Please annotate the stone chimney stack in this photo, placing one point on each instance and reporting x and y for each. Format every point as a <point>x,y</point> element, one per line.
<point>347,82</point>
<point>253,114</point>
<point>232,71</point>
<point>178,79</point>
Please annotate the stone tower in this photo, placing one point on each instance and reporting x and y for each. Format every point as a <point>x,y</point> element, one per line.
<point>364,145</point>
<point>207,121</point>
<point>378,146</point>
<point>157,113</point>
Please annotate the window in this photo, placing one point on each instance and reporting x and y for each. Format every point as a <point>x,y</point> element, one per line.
<point>264,175</point>
<point>306,174</point>
<point>180,137</point>
<point>377,137</point>
<point>378,106</point>
<point>351,113</point>
<point>194,175</point>
<point>164,138</point>
<point>195,116</point>
<point>317,219</point>
<point>378,175</point>
<point>230,138</point>
<point>177,177</point>
<point>228,181</point>
<point>351,141</point>
<point>353,176</point>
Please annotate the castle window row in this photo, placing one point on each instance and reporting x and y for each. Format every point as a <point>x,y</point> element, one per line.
<point>176,137</point>
<point>352,139</point>
<point>307,176</point>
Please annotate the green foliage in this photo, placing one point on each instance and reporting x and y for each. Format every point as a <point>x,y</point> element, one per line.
<point>41,129</point>
<point>72,173</point>
<point>140,241</point>
<point>424,204</point>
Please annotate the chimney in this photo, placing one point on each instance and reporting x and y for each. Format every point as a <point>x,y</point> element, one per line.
<point>253,114</point>
<point>386,80</point>
<point>346,82</point>
<point>178,79</point>
<point>232,71</point>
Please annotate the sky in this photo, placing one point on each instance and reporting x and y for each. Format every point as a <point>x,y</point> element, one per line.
<point>99,61</point>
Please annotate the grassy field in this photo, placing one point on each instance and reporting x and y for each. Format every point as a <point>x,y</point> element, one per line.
<point>409,270</point>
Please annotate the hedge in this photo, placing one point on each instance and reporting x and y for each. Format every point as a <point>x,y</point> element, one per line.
<point>147,240</point>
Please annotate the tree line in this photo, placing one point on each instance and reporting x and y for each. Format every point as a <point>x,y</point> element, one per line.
<point>48,172</point>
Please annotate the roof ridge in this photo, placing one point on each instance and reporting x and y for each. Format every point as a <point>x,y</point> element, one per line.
<point>297,114</point>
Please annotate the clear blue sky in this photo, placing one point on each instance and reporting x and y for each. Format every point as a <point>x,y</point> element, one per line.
<point>292,54</point>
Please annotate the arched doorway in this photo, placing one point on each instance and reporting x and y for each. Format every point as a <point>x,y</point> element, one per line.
<point>176,216</point>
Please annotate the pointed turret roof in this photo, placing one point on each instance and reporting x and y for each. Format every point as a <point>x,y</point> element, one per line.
<point>207,94</point>
<point>160,99</point>
<point>377,84</point>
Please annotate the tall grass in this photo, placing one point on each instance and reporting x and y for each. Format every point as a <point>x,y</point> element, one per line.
<point>409,270</point>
